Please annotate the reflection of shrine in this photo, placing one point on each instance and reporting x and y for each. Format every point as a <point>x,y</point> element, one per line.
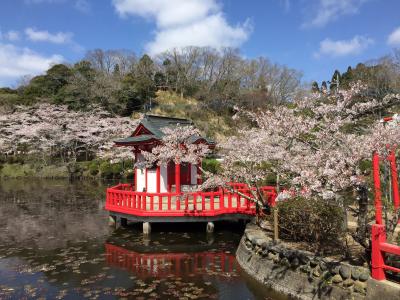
<point>164,264</point>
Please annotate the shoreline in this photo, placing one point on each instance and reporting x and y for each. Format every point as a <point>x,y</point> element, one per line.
<point>302,275</point>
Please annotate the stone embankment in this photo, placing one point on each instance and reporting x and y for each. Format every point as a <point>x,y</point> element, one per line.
<point>303,275</point>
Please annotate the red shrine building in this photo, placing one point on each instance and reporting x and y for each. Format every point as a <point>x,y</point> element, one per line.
<point>161,179</point>
<point>171,193</point>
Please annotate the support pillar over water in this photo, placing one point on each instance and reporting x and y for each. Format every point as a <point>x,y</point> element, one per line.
<point>146,228</point>
<point>210,227</point>
<point>112,220</point>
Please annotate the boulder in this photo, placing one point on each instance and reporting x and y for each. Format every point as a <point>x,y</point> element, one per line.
<point>345,271</point>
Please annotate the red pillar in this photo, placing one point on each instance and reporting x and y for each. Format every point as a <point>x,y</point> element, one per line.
<point>177,178</point>
<point>378,236</point>
<point>393,174</point>
<point>158,178</point>
<point>377,185</point>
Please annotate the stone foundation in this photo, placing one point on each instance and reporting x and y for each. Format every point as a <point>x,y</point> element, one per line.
<point>302,275</point>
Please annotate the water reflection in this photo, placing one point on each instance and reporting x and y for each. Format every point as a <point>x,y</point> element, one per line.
<point>55,244</point>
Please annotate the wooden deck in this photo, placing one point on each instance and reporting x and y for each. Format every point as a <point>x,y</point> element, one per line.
<point>195,206</point>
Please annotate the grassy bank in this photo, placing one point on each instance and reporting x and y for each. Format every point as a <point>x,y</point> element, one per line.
<point>94,169</point>
<point>86,169</point>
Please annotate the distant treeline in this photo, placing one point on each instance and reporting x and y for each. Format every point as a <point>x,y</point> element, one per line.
<point>382,76</point>
<point>122,83</point>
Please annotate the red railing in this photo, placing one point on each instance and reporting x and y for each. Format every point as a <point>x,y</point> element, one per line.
<point>163,264</point>
<point>379,246</point>
<point>123,199</point>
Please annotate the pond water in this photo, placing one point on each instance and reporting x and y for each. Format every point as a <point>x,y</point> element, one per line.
<point>55,243</point>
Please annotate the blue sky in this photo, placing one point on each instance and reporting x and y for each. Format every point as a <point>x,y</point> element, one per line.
<point>314,36</point>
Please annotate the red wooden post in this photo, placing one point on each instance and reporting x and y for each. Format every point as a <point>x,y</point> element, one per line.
<point>393,174</point>
<point>378,236</point>
<point>377,185</point>
<point>178,178</point>
<point>169,202</point>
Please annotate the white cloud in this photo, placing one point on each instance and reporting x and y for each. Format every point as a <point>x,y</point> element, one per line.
<point>45,36</point>
<point>338,48</point>
<point>185,23</point>
<point>16,62</point>
<point>394,38</point>
<point>327,11</point>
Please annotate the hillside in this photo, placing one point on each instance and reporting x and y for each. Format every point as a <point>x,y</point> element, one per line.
<point>208,121</point>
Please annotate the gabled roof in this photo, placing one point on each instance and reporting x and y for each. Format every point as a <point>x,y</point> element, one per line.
<point>150,130</point>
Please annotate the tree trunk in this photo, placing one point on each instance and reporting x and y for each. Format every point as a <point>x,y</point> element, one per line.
<point>362,220</point>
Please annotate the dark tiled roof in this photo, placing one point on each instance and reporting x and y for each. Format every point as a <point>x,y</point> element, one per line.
<point>136,139</point>
<point>155,124</point>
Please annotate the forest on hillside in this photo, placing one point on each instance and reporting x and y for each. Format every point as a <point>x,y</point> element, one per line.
<point>121,83</point>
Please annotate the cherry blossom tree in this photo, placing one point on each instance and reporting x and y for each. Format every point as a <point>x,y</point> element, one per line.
<point>177,146</point>
<point>51,130</point>
<point>315,145</point>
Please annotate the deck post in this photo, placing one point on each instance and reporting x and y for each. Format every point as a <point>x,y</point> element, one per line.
<point>378,236</point>
<point>377,185</point>
<point>146,228</point>
<point>177,178</point>
<point>112,220</point>
<point>210,227</point>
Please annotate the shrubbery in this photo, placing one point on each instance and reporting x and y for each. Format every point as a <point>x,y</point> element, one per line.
<point>211,165</point>
<point>311,220</point>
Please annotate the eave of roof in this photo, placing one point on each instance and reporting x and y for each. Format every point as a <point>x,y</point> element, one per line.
<point>136,139</point>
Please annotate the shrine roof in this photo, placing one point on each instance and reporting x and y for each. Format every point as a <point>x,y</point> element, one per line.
<point>152,130</point>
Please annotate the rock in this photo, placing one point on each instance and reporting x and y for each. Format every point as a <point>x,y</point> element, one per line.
<point>313,263</point>
<point>276,258</point>
<point>335,269</point>
<point>316,273</point>
<point>364,276</point>
<point>323,266</point>
<point>355,274</point>
<point>295,262</point>
<point>264,253</point>
<point>248,244</point>
<point>304,259</point>
<point>285,262</point>
<point>264,245</point>
<point>304,269</point>
<point>345,271</point>
<point>348,282</point>
<point>360,287</point>
<point>260,242</point>
<point>270,255</point>
<point>337,279</point>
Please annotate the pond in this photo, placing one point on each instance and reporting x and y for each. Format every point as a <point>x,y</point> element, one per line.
<point>55,243</point>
